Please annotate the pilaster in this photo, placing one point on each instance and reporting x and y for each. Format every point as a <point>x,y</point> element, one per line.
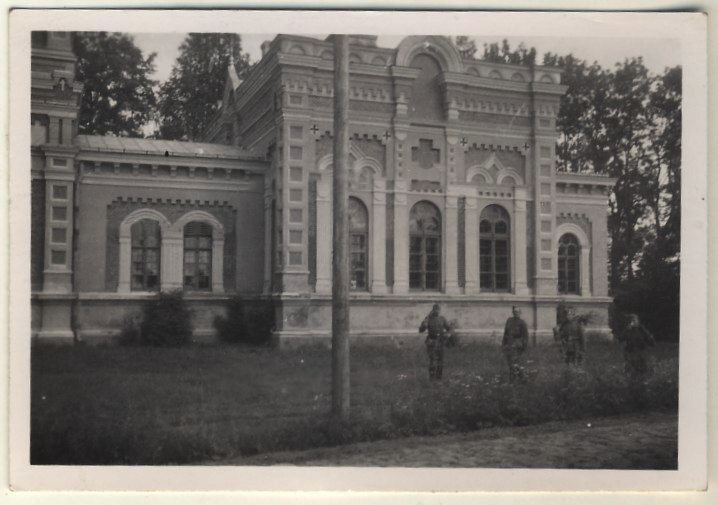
<point>401,238</point>
<point>172,261</point>
<point>471,221</point>
<point>451,273</point>
<point>520,286</point>
<point>268,252</point>
<point>378,238</point>
<point>217,265</point>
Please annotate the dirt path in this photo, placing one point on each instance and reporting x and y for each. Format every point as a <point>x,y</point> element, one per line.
<point>639,441</point>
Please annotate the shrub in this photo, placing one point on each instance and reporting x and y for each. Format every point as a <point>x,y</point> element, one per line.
<point>130,329</point>
<point>246,322</point>
<point>166,321</point>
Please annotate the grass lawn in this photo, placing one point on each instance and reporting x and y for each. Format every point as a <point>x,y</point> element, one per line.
<point>143,405</point>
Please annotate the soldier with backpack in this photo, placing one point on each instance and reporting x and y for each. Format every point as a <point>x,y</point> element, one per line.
<point>637,339</point>
<point>437,328</point>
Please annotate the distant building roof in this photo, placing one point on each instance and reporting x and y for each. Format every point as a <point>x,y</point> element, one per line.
<point>160,147</point>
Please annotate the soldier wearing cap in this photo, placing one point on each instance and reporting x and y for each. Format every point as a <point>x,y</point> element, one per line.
<point>437,328</point>
<point>515,342</point>
<point>637,340</point>
<point>571,336</point>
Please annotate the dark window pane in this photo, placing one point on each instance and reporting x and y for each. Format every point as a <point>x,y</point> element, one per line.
<point>432,281</point>
<point>501,227</point>
<point>415,280</point>
<point>415,245</point>
<point>502,281</point>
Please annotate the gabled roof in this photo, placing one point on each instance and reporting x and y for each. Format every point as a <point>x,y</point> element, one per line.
<point>160,147</point>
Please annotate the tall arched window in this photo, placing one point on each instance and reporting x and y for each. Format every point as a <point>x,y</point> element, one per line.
<point>426,98</point>
<point>358,243</point>
<point>494,247</point>
<point>425,247</point>
<point>198,255</point>
<point>146,241</point>
<point>568,269</point>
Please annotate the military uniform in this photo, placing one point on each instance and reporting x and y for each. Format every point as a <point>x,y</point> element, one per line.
<point>573,341</point>
<point>437,328</point>
<point>515,342</point>
<point>637,341</point>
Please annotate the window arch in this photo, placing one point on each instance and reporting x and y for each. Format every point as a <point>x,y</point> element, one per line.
<point>358,218</point>
<point>146,243</point>
<point>494,249</point>
<point>425,247</point>
<point>569,269</point>
<point>197,263</point>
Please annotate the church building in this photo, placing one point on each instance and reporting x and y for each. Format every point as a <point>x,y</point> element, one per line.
<point>454,199</point>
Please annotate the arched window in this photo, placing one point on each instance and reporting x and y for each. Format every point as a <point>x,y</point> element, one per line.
<point>146,242</point>
<point>427,100</point>
<point>494,258</point>
<point>358,243</point>
<point>198,255</point>
<point>568,269</point>
<point>425,247</point>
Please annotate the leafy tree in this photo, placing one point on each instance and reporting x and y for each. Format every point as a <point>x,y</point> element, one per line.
<point>189,98</point>
<point>503,54</point>
<point>626,123</point>
<point>118,96</point>
<point>466,46</point>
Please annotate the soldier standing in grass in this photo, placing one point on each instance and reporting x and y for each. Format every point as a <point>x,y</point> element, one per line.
<point>515,342</point>
<point>437,328</point>
<point>637,341</point>
<point>572,338</point>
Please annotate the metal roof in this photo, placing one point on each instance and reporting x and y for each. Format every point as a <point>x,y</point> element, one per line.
<point>160,147</point>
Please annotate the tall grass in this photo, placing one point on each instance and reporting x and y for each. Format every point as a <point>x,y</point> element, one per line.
<point>119,405</point>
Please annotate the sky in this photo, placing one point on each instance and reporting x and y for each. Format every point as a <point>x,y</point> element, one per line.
<point>657,54</point>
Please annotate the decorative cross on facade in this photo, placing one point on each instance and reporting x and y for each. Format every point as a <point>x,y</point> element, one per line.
<point>463,142</point>
<point>314,129</point>
<point>387,136</point>
<point>62,84</point>
<point>526,146</point>
<point>425,154</point>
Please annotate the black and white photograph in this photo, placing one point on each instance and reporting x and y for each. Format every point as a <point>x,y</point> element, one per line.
<point>250,245</point>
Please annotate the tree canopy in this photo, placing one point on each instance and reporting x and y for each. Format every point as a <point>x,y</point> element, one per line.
<point>189,99</point>
<point>626,123</point>
<point>118,97</point>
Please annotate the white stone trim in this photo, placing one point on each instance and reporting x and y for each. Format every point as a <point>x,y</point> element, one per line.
<point>438,47</point>
<point>511,173</point>
<point>177,230</point>
<point>471,172</point>
<point>125,252</point>
<point>584,275</point>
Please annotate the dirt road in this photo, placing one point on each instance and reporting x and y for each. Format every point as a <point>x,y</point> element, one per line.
<point>639,441</point>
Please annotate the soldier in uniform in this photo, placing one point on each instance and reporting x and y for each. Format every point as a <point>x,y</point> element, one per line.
<point>637,340</point>
<point>437,328</point>
<point>572,338</point>
<point>515,342</point>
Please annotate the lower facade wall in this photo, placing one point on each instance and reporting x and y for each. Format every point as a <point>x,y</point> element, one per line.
<point>308,319</point>
<point>302,320</point>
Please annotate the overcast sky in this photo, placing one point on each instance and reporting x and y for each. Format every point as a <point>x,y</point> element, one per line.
<point>657,54</point>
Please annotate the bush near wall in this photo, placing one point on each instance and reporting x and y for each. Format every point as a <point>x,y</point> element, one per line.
<point>166,321</point>
<point>246,322</point>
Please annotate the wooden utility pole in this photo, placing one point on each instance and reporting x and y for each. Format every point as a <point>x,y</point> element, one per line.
<point>340,242</point>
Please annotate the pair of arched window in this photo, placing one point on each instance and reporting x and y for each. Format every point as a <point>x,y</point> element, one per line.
<point>425,248</point>
<point>146,240</point>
